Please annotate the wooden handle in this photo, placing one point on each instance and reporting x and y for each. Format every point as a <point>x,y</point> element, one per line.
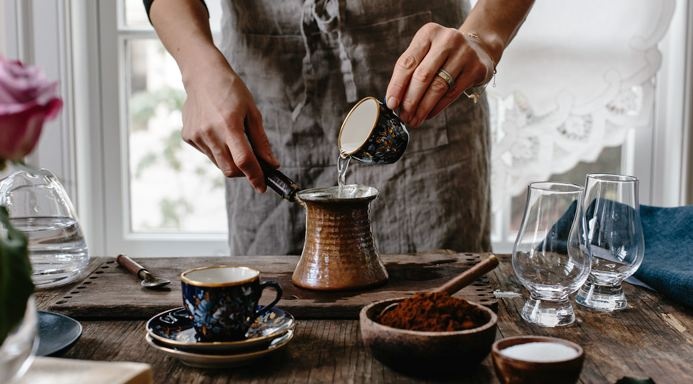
<point>279,182</point>
<point>467,277</point>
<point>129,264</point>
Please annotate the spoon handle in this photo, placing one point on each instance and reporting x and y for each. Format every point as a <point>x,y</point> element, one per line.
<point>131,265</point>
<point>468,276</point>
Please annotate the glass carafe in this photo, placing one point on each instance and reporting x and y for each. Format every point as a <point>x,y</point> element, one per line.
<point>551,256</point>
<point>39,207</point>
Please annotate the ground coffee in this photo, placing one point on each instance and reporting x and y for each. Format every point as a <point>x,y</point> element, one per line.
<point>434,312</point>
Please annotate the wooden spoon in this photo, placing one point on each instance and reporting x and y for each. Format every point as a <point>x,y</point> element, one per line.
<point>467,277</point>
<point>460,281</point>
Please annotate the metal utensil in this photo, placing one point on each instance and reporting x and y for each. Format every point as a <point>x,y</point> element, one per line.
<point>460,281</point>
<point>147,279</point>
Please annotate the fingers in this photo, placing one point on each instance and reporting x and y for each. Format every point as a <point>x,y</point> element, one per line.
<point>423,78</point>
<point>200,143</point>
<point>228,148</point>
<point>417,90</point>
<point>405,66</point>
<point>212,144</point>
<point>469,77</point>
<point>243,155</point>
<point>440,88</point>
<point>258,139</point>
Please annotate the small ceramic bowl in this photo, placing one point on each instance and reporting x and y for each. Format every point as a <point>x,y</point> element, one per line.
<point>516,371</point>
<point>428,353</point>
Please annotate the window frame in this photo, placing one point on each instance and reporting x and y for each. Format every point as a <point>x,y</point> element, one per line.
<point>86,147</point>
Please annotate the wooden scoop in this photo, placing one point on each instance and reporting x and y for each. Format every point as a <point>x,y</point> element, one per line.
<point>460,281</point>
<point>467,277</point>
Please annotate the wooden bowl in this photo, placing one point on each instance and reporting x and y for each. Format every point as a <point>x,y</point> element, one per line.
<point>428,353</point>
<point>510,370</point>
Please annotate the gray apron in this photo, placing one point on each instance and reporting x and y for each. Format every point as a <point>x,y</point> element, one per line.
<point>306,62</point>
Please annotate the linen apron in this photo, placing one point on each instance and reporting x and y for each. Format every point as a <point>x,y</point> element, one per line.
<point>306,63</point>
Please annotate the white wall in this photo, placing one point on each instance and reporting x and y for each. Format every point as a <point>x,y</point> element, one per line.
<point>2,29</point>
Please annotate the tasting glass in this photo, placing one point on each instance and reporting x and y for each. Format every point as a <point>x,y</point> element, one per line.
<point>551,255</point>
<point>612,213</point>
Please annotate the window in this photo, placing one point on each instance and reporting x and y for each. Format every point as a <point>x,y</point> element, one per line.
<point>166,177</point>
<point>575,94</point>
<point>171,196</point>
<point>578,91</point>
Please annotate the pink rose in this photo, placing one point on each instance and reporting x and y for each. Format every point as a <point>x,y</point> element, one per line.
<point>27,99</point>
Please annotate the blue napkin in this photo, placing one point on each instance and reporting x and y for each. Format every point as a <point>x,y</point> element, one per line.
<point>668,263</point>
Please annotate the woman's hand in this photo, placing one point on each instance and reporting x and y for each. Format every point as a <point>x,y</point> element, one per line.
<point>220,119</point>
<point>415,87</point>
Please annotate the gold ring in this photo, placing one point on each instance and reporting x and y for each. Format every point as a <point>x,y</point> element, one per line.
<point>447,77</point>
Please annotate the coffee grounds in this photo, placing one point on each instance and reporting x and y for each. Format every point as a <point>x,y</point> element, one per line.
<point>434,312</point>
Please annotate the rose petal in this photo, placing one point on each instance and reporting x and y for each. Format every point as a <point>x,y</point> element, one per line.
<point>20,132</point>
<point>27,100</point>
<point>21,84</point>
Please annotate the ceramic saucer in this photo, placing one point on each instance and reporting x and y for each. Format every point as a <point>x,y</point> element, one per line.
<point>222,360</point>
<point>174,328</point>
<point>56,333</point>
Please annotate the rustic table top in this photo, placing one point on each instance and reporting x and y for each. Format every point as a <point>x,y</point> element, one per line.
<point>652,338</point>
<point>111,292</point>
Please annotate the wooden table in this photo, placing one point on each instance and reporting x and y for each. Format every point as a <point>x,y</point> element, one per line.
<point>652,338</point>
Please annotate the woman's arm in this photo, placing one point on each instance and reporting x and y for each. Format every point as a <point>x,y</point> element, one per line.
<point>469,54</point>
<point>220,118</point>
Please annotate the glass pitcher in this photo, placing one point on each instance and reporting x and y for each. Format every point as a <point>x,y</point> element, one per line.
<point>39,207</point>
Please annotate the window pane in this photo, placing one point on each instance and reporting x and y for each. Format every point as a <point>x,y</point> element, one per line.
<point>609,161</point>
<point>134,14</point>
<point>173,188</point>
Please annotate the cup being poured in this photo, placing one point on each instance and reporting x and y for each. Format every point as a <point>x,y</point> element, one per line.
<point>370,133</point>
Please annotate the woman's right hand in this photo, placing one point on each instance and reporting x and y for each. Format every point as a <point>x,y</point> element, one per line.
<point>221,120</point>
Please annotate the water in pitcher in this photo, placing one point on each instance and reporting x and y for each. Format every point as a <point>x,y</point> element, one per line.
<point>56,247</point>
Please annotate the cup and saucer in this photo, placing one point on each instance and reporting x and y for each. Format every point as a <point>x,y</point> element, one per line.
<point>221,324</point>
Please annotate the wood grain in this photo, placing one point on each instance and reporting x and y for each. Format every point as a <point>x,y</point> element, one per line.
<point>110,291</point>
<point>652,338</point>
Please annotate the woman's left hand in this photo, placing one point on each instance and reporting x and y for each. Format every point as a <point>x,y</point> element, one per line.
<point>417,89</point>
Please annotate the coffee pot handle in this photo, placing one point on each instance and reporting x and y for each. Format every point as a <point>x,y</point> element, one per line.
<point>277,288</point>
<point>280,183</point>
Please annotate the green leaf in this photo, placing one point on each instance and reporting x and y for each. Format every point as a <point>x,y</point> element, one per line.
<point>15,276</point>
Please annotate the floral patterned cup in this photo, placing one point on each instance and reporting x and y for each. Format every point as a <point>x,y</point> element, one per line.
<point>372,134</point>
<point>223,301</point>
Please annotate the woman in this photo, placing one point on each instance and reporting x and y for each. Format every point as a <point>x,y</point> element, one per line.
<point>285,76</point>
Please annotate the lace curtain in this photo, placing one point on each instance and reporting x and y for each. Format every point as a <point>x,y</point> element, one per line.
<point>577,78</point>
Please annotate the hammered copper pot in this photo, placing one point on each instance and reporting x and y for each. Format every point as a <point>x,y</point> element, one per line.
<point>339,252</point>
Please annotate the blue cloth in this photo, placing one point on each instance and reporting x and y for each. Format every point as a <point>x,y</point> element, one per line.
<point>668,263</point>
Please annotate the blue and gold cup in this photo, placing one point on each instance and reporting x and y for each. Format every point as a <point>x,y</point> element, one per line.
<point>372,133</point>
<point>223,301</point>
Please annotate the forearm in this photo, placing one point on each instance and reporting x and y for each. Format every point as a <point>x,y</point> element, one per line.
<point>495,22</point>
<point>183,28</point>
